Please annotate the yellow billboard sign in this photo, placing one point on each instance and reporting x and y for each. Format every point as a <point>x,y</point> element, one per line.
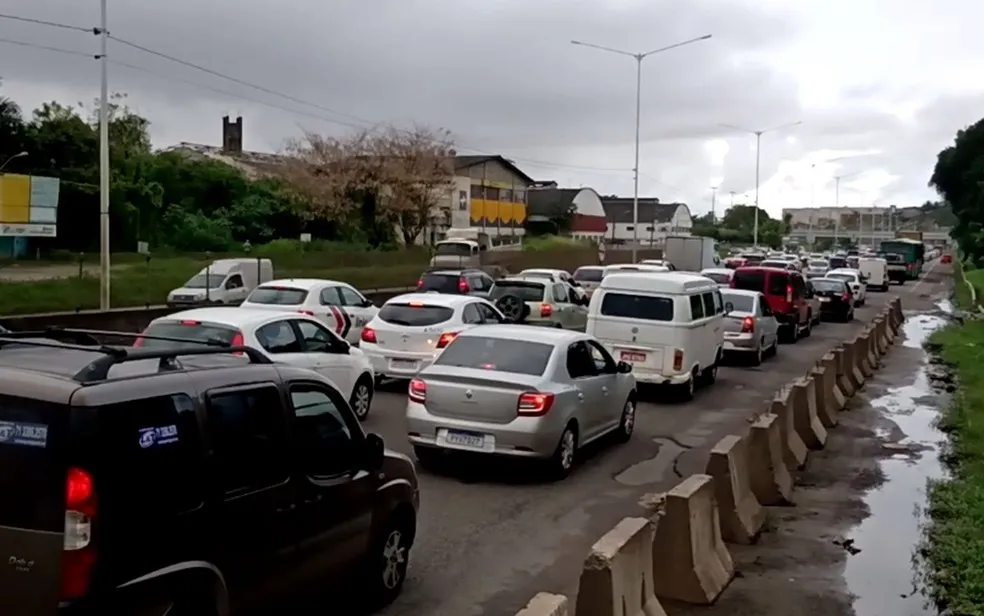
<point>28,205</point>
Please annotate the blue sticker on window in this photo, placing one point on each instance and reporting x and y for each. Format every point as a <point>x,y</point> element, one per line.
<point>159,435</point>
<point>23,433</point>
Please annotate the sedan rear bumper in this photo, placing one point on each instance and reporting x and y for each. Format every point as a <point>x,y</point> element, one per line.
<point>523,437</point>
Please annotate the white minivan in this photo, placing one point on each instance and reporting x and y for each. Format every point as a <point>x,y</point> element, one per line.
<point>224,281</point>
<point>875,270</point>
<point>668,326</point>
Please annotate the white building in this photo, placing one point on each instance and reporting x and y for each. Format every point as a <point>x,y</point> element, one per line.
<point>656,220</point>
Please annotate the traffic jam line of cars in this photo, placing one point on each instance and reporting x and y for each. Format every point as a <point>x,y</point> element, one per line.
<point>221,423</point>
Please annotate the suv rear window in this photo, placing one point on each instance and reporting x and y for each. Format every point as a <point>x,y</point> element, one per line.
<point>750,280</point>
<point>527,291</point>
<point>589,274</point>
<point>33,476</point>
<point>442,283</point>
<point>499,354</point>
<point>646,307</point>
<point>191,330</point>
<point>277,296</point>
<point>414,315</point>
<point>837,262</point>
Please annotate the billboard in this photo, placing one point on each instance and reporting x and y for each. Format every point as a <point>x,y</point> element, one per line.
<point>28,205</point>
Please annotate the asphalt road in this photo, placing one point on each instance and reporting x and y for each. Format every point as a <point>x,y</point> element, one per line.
<point>491,536</point>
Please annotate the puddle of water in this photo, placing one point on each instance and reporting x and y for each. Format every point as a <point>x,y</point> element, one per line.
<point>881,575</point>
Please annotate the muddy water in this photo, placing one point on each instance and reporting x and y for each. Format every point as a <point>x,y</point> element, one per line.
<point>881,575</point>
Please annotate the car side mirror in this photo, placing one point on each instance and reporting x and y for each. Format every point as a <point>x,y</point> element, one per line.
<point>374,453</point>
<point>368,303</point>
<point>624,367</point>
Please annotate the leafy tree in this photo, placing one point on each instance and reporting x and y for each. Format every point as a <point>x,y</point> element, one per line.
<point>958,177</point>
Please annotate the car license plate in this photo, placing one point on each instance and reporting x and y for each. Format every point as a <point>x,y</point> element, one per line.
<point>403,364</point>
<point>470,440</point>
<point>632,356</point>
<point>824,299</point>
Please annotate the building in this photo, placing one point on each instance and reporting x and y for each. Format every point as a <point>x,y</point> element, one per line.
<point>588,220</point>
<point>489,193</point>
<point>857,224</point>
<point>656,220</point>
<point>253,164</point>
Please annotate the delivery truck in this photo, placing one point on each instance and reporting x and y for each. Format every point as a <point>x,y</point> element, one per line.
<point>691,253</point>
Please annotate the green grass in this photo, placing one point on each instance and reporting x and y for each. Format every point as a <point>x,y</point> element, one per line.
<point>954,541</point>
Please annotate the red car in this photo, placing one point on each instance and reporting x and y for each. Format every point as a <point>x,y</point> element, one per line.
<point>787,294</point>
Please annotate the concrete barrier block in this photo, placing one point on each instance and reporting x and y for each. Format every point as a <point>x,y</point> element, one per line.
<point>824,390</point>
<point>881,338</point>
<point>742,517</point>
<point>807,424</point>
<point>546,604</point>
<point>845,363</point>
<point>862,353</point>
<point>690,561</point>
<point>889,328</point>
<point>767,471</point>
<point>617,578</point>
<point>794,450</point>
<point>874,355</point>
<point>857,358</point>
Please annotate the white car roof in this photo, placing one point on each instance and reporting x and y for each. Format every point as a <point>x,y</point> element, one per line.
<point>673,283</point>
<point>529,279</point>
<point>302,283</point>
<point>231,316</point>
<point>742,292</point>
<point>447,300</point>
<point>544,335</point>
<point>717,270</point>
<point>590,267</point>
<point>845,270</point>
<point>543,270</point>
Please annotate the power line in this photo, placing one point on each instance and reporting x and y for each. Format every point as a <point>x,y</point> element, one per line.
<point>50,24</point>
<point>47,48</point>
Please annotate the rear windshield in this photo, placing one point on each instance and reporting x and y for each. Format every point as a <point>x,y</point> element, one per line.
<point>717,277</point>
<point>414,315</point>
<point>818,264</point>
<point>754,280</point>
<point>646,307</point>
<point>890,258</point>
<point>499,354</point>
<point>844,277</point>
<point>188,330</point>
<point>837,262</point>
<point>32,479</point>
<point>589,274</point>
<point>779,264</point>
<point>752,259</point>
<point>442,283</point>
<point>277,296</point>
<point>532,274</point>
<point>453,249</point>
<point>823,285</point>
<point>739,303</point>
<point>527,291</point>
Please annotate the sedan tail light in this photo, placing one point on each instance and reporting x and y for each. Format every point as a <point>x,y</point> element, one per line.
<point>463,285</point>
<point>446,339</point>
<point>747,325</point>
<point>546,310</point>
<point>420,283</point>
<point>532,404</point>
<point>417,391</point>
<point>789,293</point>
<point>237,340</point>
<point>846,297</point>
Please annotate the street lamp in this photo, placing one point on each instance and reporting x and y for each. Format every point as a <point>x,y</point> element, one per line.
<point>639,57</point>
<point>837,198</point>
<point>714,195</point>
<point>758,161</point>
<point>17,155</point>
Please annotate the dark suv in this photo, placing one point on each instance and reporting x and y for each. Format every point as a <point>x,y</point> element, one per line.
<point>458,282</point>
<point>187,481</point>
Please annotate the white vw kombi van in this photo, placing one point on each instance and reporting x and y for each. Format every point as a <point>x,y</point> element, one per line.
<point>668,326</point>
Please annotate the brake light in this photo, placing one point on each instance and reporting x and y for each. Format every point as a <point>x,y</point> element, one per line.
<point>747,325</point>
<point>420,283</point>
<point>446,339</point>
<point>532,404</point>
<point>79,554</point>
<point>678,360</point>
<point>417,391</point>
<point>789,293</point>
<point>368,335</point>
<point>546,310</point>
<point>190,323</point>
<point>463,286</point>
<point>238,340</point>
<point>846,297</point>
<point>138,342</point>
<point>307,312</point>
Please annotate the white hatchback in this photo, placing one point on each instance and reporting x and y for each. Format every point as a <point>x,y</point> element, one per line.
<point>855,280</point>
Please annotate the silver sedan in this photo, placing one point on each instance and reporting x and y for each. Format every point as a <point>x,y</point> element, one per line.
<point>750,327</point>
<point>521,392</point>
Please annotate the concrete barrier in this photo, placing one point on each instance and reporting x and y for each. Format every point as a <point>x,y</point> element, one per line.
<point>830,362</point>
<point>881,328</point>
<point>617,577</point>
<point>862,354</point>
<point>546,604</point>
<point>768,475</point>
<point>845,370</point>
<point>889,329</point>
<point>874,355</point>
<point>802,400</point>
<point>742,517</point>
<point>824,386</point>
<point>690,561</point>
<point>858,357</point>
<point>793,450</point>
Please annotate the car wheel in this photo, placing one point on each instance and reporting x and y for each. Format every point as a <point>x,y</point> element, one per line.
<point>808,329</point>
<point>775,346</point>
<point>362,398</point>
<point>386,568</point>
<point>687,390</point>
<point>757,358</point>
<point>711,374</point>
<point>627,424</point>
<point>562,461</point>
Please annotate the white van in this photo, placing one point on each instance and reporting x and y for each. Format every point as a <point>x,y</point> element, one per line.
<point>875,270</point>
<point>225,281</point>
<point>668,326</point>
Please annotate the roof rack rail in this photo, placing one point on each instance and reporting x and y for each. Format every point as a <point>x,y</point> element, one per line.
<point>55,331</point>
<point>98,370</point>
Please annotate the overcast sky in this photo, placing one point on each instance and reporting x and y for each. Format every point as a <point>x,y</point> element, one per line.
<point>879,85</point>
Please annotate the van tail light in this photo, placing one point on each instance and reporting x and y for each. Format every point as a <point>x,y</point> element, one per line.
<point>446,339</point>
<point>532,404</point>
<point>789,293</point>
<point>747,325</point>
<point>546,310</point>
<point>79,551</point>
<point>678,360</point>
<point>368,335</point>
<point>238,340</point>
<point>307,312</point>
<point>417,392</point>
<point>420,283</point>
<point>463,286</point>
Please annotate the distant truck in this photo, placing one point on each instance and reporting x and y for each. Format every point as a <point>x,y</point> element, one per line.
<point>224,281</point>
<point>911,235</point>
<point>691,253</point>
<point>467,248</point>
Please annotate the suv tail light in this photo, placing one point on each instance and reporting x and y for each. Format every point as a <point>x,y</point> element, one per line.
<point>678,360</point>
<point>532,404</point>
<point>417,392</point>
<point>789,293</point>
<point>546,310</point>
<point>446,339</point>
<point>463,285</point>
<point>747,325</point>
<point>368,335</point>
<point>79,555</point>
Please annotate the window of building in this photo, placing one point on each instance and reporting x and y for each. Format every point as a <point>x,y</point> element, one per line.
<point>491,193</point>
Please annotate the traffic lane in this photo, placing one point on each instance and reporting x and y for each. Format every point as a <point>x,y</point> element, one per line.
<point>489,537</point>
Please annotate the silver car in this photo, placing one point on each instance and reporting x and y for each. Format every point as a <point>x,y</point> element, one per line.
<point>750,327</point>
<point>521,392</point>
<point>817,268</point>
<point>547,303</point>
<point>589,277</point>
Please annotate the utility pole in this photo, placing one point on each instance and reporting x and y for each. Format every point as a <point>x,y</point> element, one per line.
<point>104,290</point>
<point>714,193</point>
<point>732,198</point>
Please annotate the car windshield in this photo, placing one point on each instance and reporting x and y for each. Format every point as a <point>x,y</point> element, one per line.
<point>193,331</point>
<point>588,274</point>
<point>753,259</point>
<point>277,296</point>
<point>205,281</point>
<point>718,277</point>
<point>544,275</point>
<point>739,301</point>
<point>497,354</point>
<point>456,249</point>
<point>750,280</point>
<point>645,307</point>
<point>527,291</point>
<point>414,314</point>
<point>818,264</point>
<point>826,285</point>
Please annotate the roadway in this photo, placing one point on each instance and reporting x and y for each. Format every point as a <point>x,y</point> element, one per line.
<point>491,536</point>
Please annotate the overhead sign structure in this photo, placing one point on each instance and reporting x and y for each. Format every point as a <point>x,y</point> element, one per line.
<point>28,205</point>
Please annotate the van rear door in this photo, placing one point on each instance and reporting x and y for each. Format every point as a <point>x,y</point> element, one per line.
<point>33,476</point>
<point>637,328</point>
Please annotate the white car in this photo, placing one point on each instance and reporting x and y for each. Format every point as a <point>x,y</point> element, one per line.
<point>556,275</point>
<point>855,280</point>
<point>658,262</point>
<point>721,275</point>
<point>336,304</point>
<point>410,331</point>
<point>285,337</point>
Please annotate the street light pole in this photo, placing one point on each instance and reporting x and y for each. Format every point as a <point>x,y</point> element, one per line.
<point>12,157</point>
<point>837,200</point>
<point>758,163</point>
<point>714,194</point>
<point>103,161</point>
<point>639,57</point>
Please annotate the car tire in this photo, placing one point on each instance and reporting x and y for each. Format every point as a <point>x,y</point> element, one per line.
<point>687,390</point>
<point>627,424</point>
<point>710,375</point>
<point>759,353</point>
<point>361,400</point>
<point>808,328</point>
<point>563,458</point>
<point>386,563</point>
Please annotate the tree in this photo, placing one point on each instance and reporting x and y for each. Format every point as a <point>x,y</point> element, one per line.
<point>959,177</point>
<point>389,178</point>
